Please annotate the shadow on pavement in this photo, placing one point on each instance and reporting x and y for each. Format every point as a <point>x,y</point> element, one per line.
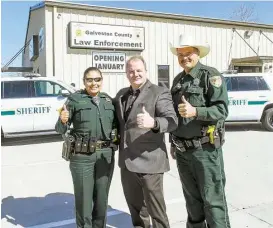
<point>54,207</point>
<point>119,220</point>
<point>31,140</point>
<point>244,127</point>
<point>32,211</point>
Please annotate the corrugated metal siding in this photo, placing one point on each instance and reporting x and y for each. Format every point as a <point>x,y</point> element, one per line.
<point>71,63</point>
<point>49,41</point>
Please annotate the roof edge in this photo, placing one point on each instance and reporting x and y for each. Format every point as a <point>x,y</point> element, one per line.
<point>32,8</point>
<point>153,14</point>
<point>27,31</point>
<point>37,6</point>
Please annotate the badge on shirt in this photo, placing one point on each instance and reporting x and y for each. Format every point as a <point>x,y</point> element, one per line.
<point>196,81</point>
<point>216,81</point>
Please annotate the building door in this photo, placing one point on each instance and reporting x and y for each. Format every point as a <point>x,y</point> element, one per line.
<point>163,72</point>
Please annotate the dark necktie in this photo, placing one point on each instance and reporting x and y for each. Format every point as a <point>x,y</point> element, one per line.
<point>130,102</point>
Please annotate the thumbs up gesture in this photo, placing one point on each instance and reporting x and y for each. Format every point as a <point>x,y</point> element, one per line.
<point>185,109</point>
<point>64,115</point>
<point>144,120</point>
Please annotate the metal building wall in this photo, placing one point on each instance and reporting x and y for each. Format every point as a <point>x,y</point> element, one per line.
<point>36,22</point>
<point>69,64</point>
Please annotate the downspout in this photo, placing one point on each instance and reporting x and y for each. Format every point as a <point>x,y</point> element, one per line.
<point>259,42</point>
<point>54,15</point>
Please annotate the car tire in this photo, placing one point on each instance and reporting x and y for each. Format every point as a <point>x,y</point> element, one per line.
<point>2,135</point>
<point>267,120</point>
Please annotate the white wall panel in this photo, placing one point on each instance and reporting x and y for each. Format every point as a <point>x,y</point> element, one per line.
<point>48,41</point>
<point>159,33</point>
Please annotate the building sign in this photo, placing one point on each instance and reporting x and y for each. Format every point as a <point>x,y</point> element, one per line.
<point>109,62</point>
<point>86,35</point>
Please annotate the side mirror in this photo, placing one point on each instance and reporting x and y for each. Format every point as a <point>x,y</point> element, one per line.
<point>64,93</point>
<point>73,84</point>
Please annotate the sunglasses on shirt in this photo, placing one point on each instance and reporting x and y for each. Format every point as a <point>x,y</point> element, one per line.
<point>93,79</point>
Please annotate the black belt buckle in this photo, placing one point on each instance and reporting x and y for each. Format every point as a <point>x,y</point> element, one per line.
<point>188,143</point>
<point>196,143</point>
<point>102,144</point>
<point>99,145</point>
<point>178,144</point>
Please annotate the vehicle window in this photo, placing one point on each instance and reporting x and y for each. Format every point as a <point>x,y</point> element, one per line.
<point>228,83</point>
<point>234,84</point>
<point>2,89</point>
<point>261,83</point>
<point>244,83</point>
<point>47,89</point>
<point>16,89</point>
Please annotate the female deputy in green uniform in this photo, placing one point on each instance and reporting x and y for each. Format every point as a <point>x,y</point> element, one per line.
<point>92,115</point>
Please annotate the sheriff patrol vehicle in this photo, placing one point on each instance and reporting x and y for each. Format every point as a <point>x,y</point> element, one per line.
<point>250,98</point>
<point>30,104</point>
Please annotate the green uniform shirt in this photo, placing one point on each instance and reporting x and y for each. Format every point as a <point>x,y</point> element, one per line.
<point>85,116</point>
<point>204,88</point>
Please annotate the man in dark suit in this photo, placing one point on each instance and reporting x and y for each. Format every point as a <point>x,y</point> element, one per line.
<point>145,112</point>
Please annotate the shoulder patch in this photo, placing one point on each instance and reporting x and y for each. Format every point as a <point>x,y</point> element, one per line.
<point>216,81</point>
<point>107,99</point>
<point>196,81</point>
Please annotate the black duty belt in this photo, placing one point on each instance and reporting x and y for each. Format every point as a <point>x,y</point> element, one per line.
<point>183,144</point>
<point>87,146</point>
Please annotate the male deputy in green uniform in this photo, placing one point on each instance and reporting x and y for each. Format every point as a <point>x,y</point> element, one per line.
<point>145,112</point>
<point>92,115</point>
<point>201,102</point>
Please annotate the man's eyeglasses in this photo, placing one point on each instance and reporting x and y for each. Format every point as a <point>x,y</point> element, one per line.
<point>93,79</point>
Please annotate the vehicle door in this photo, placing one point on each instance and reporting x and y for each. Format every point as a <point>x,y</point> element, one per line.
<point>251,95</point>
<point>16,106</point>
<point>48,100</point>
<point>263,94</point>
<point>232,95</point>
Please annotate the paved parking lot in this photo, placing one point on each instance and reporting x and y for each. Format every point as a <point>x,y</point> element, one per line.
<point>37,188</point>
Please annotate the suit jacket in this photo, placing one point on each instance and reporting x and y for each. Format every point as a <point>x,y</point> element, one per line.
<point>144,150</point>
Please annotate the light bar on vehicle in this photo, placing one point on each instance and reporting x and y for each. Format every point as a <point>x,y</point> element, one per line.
<point>32,75</point>
<point>229,72</point>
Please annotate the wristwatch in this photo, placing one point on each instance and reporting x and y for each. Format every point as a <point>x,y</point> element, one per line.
<point>156,125</point>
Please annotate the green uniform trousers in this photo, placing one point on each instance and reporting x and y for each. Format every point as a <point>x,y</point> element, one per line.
<point>92,175</point>
<point>203,182</point>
